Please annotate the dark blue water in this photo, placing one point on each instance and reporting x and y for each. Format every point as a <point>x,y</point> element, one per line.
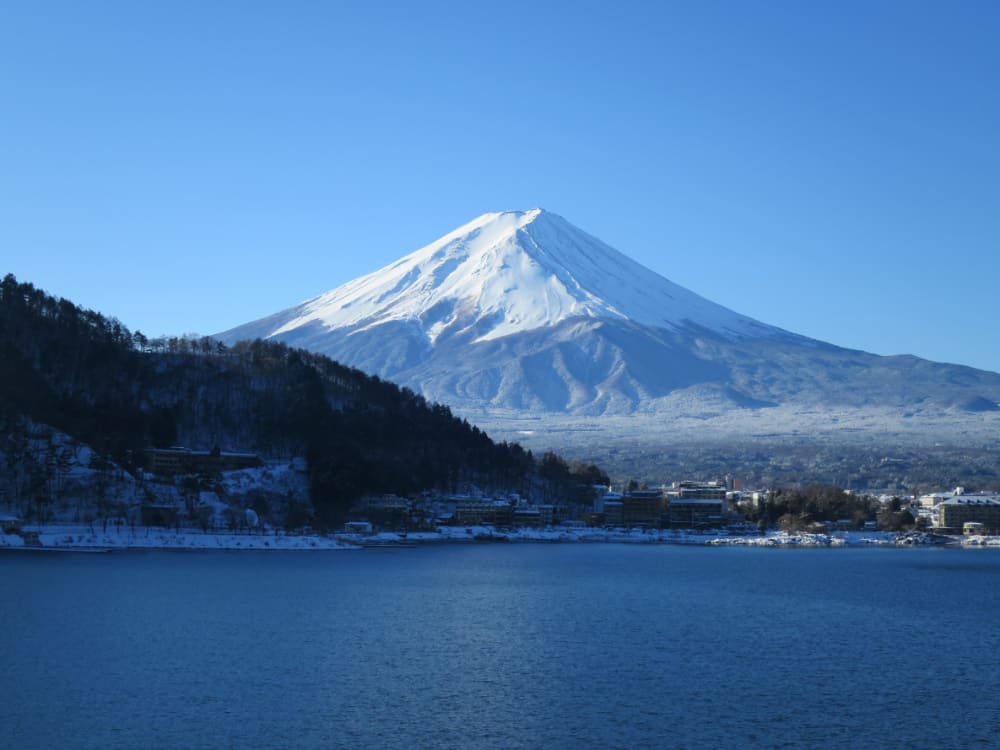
<point>502,646</point>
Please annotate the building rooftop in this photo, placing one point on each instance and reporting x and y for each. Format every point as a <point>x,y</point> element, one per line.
<point>972,500</point>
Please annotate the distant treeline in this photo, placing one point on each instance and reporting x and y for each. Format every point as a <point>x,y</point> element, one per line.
<point>795,508</point>
<point>120,392</point>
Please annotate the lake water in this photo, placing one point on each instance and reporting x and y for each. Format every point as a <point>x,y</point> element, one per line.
<point>502,646</point>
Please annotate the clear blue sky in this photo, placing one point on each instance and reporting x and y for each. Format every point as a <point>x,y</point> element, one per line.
<point>829,167</point>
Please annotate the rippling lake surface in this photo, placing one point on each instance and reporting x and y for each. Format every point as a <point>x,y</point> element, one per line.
<point>502,646</point>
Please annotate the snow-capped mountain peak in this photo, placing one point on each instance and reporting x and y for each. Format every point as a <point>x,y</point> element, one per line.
<point>523,313</point>
<point>511,272</point>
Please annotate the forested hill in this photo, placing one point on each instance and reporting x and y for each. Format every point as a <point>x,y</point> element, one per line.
<point>118,391</point>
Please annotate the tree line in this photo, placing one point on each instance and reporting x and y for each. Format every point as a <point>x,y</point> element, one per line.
<point>798,508</point>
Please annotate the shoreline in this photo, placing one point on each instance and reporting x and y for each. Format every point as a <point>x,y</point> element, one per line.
<point>82,538</point>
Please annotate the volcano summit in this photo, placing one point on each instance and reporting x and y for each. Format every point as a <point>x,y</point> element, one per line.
<point>503,274</point>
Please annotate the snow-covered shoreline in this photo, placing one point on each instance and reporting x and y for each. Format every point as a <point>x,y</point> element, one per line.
<point>84,538</point>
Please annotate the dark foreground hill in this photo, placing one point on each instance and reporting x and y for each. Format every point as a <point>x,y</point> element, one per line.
<point>119,392</point>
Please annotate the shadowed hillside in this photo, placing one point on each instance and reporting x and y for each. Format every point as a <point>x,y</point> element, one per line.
<point>92,378</point>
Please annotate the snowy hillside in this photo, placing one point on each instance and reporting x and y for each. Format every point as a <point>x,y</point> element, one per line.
<point>525,313</point>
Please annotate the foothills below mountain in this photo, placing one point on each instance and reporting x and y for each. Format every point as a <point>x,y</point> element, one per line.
<point>537,331</point>
<point>75,383</point>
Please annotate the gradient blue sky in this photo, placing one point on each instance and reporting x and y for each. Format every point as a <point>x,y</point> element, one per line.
<point>832,168</point>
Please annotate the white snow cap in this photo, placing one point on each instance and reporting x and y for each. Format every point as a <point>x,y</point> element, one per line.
<point>511,272</point>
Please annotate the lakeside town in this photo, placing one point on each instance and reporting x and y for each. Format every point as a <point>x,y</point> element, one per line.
<point>710,512</point>
<point>215,500</point>
<point>295,449</point>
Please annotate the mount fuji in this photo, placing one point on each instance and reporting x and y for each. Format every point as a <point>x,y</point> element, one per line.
<point>520,316</point>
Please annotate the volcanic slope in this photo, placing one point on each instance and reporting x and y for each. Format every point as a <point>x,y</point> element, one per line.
<point>524,315</point>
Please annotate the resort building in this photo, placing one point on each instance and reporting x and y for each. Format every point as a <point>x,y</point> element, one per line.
<point>698,490</point>
<point>613,515</point>
<point>642,509</point>
<point>603,496</point>
<point>959,510</point>
<point>695,513</point>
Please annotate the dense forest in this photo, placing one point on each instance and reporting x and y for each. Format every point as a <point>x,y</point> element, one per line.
<point>120,392</point>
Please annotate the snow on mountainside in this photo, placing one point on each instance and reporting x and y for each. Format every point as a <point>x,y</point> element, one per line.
<point>523,313</point>
<point>506,273</point>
